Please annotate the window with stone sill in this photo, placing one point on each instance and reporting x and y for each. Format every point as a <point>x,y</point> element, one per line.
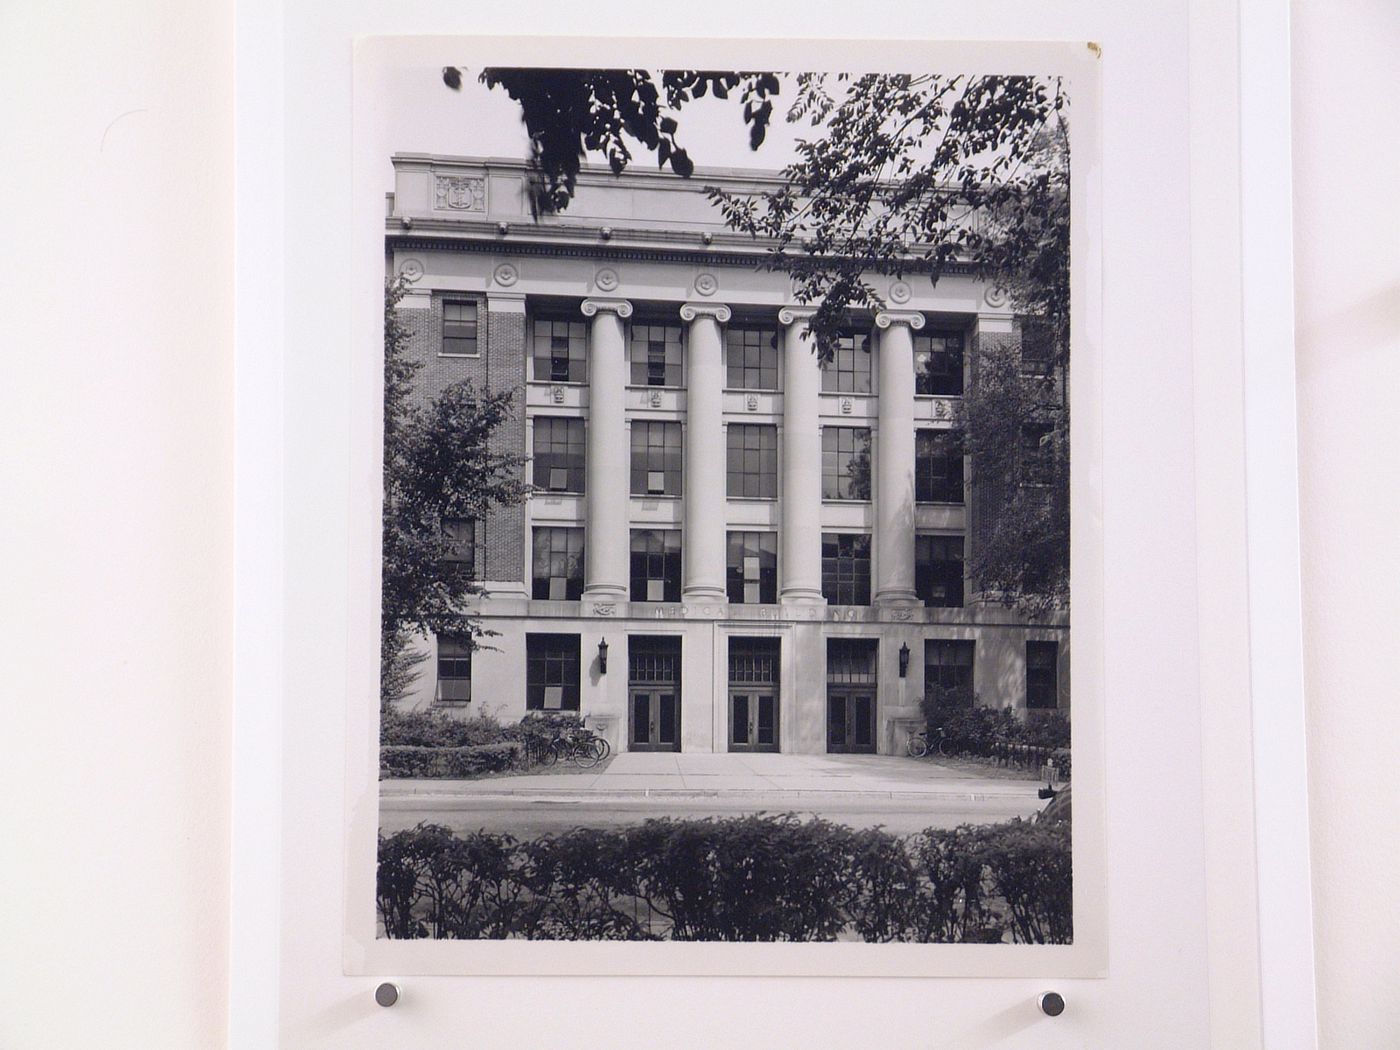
<point>849,371</point>
<point>559,351</point>
<point>751,467</point>
<point>558,460</point>
<point>1042,675</point>
<point>459,321</point>
<point>557,564</point>
<point>938,570</point>
<point>751,358</point>
<point>656,565</point>
<point>846,463</point>
<point>656,458</point>
<point>454,670</point>
<point>751,568</point>
<point>948,666</point>
<point>846,568</point>
<point>654,352</point>
<point>938,363</point>
<point>460,561</point>
<point>552,672</point>
<point>938,466</point>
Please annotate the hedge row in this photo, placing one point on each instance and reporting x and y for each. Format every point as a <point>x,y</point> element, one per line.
<point>758,878</point>
<point>436,729</point>
<point>412,761</point>
<point>999,733</point>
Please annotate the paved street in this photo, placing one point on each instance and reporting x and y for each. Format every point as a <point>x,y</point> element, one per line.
<point>902,794</point>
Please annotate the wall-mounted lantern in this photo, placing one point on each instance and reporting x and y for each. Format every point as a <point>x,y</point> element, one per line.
<point>903,659</point>
<point>603,656</point>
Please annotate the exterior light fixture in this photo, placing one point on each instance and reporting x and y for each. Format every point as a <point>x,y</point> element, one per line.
<point>903,659</point>
<point>603,656</point>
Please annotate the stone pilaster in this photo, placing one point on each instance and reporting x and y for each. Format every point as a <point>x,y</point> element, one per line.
<point>605,527</point>
<point>703,536</point>
<point>800,539</point>
<point>894,459</point>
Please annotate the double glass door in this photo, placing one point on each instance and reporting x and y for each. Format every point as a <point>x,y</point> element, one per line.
<point>654,722</point>
<point>753,719</point>
<point>850,721</point>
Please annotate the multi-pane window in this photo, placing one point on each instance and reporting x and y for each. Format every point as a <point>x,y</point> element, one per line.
<point>751,575</point>
<point>557,573</point>
<point>938,466</point>
<point>938,570</point>
<point>559,351</point>
<point>655,353</point>
<point>849,370</point>
<point>852,661</point>
<point>751,358</point>
<point>938,363</point>
<point>1042,674</point>
<point>948,668</point>
<point>752,466</point>
<point>656,565</point>
<point>454,670</point>
<point>754,660</point>
<point>1036,453</point>
<point>656,458</point>
<point>1037,348</point>
<point>846,568</point>
<point>558,459</point>
<point>551,672</point>
<point>459,328</point>
<point>653,660</point>
<point>845,463</point>
<point>460,534</point>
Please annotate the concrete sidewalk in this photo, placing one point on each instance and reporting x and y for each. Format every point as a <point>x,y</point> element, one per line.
<point>772,777</point>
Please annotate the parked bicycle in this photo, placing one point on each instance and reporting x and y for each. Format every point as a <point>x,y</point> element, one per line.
<point>920,745</point>
<point>580,746</point>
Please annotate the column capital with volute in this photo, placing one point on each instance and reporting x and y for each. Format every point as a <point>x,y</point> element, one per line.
<point>621,307</point>
<point>718,311</point>
<point>792,314</point>
<point>886,318</point>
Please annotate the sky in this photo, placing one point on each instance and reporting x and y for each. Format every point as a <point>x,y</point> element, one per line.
<point>425,116</point>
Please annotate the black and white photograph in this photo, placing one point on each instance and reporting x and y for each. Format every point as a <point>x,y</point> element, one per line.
<point>725,578</point>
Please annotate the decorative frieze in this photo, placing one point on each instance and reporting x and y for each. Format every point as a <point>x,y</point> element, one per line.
<point>460,193</point>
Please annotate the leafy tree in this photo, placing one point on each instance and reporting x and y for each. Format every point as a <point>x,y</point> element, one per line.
<point>440,463</point>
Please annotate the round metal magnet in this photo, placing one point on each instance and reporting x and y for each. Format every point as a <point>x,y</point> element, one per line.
<point>1052,1004</point>
<point>387,994</point>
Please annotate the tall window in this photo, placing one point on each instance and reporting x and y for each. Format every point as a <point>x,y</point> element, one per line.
<point>557,573</point>
<point>459,328</point>
<point>656,565</point>
<point>752,466</point>
<point>1036,453</point>
<point>655,354</point>
<point>938,363</point>
<point>938,466</point>
<point>948,668</point>
<point>454,670</point>
<point>938,570</point>
<point>1043,675</point>
<point>656,458</point>
<point>849,371</point>
<point>559,351</point>
<point>460,534</point>
<point>751,358</point>
<point>752,568</point>
<point>1037,348</point>
<point>845,463</point>
<point>846,568</point>
<point>558,460</point>
<point>551,672</point>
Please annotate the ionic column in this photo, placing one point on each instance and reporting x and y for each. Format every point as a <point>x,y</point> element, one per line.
<point>800,539</point>
<point>894,459</point>
<point>703,528</point>
<point>605,537</point>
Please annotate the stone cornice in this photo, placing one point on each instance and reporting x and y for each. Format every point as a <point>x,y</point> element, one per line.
<point>720,312</point>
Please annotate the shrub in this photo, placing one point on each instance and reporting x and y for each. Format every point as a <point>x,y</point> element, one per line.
<point>756,878</point>
<point>435,729</point>
<point>415,761</point>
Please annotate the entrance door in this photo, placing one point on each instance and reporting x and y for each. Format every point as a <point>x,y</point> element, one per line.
<point>850,722</point>
<point>653,722</point>
<point>753,719</point>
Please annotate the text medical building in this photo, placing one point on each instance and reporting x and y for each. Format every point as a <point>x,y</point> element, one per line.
<point>728,547</point>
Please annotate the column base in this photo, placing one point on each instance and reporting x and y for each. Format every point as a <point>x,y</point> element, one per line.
<point>704,594</point>
<point>901,598</point>
<point>801,596</point>
<point>604,594</point>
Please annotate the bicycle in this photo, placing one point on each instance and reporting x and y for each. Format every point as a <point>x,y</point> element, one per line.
<point>919,744</point>
<point>580,747</point>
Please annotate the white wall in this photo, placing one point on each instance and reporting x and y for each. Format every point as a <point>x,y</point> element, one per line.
<point>116,529</point>
<point>1347,235</point>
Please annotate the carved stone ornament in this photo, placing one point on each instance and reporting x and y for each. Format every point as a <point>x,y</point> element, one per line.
<point>793,314</point>
<point>621,307</point>
<point>460,193</point>
<point>557,392</point>
<point>706,284</point>
<point>941,409</point>
<point>605,608</point>
<point>411,269</point>
<point>912,318</point>
<point>606,279</point>
<point>720,312</point>
<point>655,399</point>
<point>846,405</point>
<point>996,297</point>
<point>901,614</point>
<point>506,274</point>
<point>751,402</point>
<point>900,292</point>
